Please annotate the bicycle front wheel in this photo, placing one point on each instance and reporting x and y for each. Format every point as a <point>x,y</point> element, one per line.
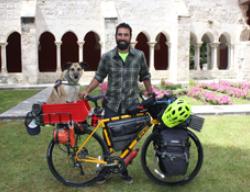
<point>63,166</point>
<point>150,161</point>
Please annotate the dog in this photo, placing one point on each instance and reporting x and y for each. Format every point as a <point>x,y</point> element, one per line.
<point>67,88</point>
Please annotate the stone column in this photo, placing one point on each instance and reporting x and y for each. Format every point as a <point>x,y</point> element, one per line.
<point>132,44</point>
<point>80,44</point>
<point>214,47</point>
<point>151,61</point>
<point>101,48</point>
<point>110,25</point>
<point>197,56</point>
<point>3,55</point>
<point>58,56</point>
<point>230,56</point>
<point>169,54</point>
<point>29,50</point>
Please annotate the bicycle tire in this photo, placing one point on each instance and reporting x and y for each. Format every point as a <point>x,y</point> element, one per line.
<point>70,178</point>
<point>157,176</point>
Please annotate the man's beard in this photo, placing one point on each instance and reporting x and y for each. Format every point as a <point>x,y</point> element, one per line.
<point>122,45</point>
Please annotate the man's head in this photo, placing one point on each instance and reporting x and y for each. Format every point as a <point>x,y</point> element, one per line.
<point>123,36</point>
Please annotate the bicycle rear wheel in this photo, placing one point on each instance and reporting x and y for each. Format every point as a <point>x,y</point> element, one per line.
<point>63,166</point>
<point>149,161</point>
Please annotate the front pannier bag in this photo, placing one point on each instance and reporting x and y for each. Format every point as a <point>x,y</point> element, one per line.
<point>173,151</point>
<point>123,131</point>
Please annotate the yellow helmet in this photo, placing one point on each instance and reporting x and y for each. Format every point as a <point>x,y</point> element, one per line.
<point>176,113</point>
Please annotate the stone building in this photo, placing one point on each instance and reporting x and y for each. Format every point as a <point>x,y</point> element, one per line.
<point>181,39</point>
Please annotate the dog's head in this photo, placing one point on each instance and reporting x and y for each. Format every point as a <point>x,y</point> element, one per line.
<point>73,71</point>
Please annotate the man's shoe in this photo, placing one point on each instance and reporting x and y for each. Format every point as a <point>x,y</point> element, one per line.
<point>128,179</point>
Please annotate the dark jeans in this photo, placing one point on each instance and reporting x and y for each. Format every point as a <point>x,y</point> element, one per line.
<point>108,113</point>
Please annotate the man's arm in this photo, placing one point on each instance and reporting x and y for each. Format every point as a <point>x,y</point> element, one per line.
<point>148,86</point>
<point>93,84</point>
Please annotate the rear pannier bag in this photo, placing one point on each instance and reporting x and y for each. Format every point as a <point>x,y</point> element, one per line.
<point>123,131</point>
<point>173,151</point>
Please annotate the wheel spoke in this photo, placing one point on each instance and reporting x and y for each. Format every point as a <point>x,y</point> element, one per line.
<point>66,169</point>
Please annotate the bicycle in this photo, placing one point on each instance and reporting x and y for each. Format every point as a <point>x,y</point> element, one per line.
<point>78,156</point>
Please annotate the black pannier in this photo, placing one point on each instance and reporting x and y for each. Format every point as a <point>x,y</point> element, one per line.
<point>123,131</point>
<point>173,151</point>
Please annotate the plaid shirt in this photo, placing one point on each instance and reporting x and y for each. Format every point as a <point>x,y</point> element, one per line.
<point>123,77</point>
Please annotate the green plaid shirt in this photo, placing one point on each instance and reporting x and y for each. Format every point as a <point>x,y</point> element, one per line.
<point>123,77</point>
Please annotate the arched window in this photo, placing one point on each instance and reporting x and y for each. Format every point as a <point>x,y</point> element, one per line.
<point>223,53</point>
<point>142,44</point>
<point>47,52</point>
<point>69,49</point>
<point>205,52</point>
<point>13,53</point>
<point>193,52</point>
<point>91,51</point>
<point>161,52</point>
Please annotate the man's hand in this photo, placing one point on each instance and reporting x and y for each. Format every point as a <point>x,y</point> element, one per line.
<point>83,94</point>
<point>148,94</point>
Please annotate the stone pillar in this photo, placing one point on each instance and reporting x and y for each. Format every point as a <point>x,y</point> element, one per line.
<point>101,48</point>
<point>80,44</point>
<point>29,42</point>
<point>182,50</point>
<point>197,56</point>
<point>214,47</point>
<point>110,15</point>
<point>29,50</point>
<point>3,55</point>
<point>230,56</point>
<point>132,44</point>
<point>151,61</point>
<point>110,25</point>
<point>169,54</point>
<point>58,56</point>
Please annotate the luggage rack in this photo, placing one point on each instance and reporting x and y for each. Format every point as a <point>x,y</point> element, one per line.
<point>52,118</point>
<point>64,113</point>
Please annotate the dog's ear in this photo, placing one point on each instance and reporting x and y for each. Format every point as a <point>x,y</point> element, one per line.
<point>83,65</point>
<point>67,65</point>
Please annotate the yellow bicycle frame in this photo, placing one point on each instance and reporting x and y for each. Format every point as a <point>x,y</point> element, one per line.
<point>101,124</point>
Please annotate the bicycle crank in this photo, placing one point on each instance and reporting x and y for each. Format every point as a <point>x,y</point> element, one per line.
<point>115,164</point>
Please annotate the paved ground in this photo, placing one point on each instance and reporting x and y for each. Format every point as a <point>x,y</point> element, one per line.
<point>21,109</point>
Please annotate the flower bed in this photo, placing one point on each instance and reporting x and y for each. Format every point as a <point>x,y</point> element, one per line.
<point>208,96</point>
<point>234,90</point>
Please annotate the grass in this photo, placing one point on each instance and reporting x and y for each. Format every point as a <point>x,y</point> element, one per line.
<point>226,165</point>
<point>10,98</point>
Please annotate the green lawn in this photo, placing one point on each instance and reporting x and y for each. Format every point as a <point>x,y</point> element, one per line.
<point>10,98</point>
<point>226,165</point>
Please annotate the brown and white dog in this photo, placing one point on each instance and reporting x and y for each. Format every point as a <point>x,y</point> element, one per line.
<point>67,88</point>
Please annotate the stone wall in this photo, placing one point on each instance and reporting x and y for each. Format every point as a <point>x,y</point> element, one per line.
<point>177,19</point>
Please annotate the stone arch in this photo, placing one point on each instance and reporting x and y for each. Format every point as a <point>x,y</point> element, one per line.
<point>13,53</point>
<point>161,52</point>
<point>91,50</point>
<point>223,53</point>
<point>47,52</point>
<point>144,33</point>
<point>69,49</point>
<point>142,44</point>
